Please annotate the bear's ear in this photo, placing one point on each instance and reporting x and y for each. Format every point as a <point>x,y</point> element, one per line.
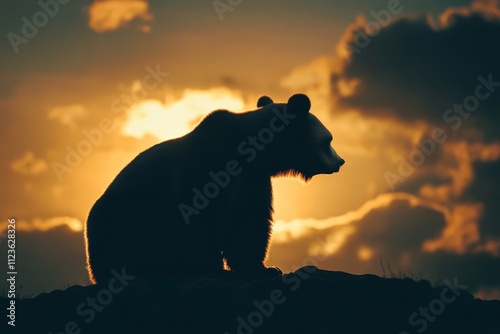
<point>298,104</point>
<point>264,101</point>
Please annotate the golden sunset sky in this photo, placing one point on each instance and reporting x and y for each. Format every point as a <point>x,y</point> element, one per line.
<point>409,89</point>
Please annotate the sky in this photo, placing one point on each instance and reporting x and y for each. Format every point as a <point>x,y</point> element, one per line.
<point>409,89</point>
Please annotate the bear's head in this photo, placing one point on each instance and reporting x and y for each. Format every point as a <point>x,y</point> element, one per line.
<point>302,145</point>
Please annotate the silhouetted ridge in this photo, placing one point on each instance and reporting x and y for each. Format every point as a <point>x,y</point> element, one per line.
<point>307,301</point>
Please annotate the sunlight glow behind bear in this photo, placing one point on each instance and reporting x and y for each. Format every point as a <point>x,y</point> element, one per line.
<point>176,117</point>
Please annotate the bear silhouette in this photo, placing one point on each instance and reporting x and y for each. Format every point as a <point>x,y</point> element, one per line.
<point>187,204</point>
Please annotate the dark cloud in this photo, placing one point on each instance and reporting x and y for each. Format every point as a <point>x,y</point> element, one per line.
<point>415,71</point>
<point>388,230</point>
<point>49,260</point>
<point>484,189</point>
<point>395,234</point>
<point>466,179</point>
<point>402,228</point>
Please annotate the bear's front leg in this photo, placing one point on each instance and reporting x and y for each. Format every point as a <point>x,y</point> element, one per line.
<point>246,224</point>
<point>246,247</point>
